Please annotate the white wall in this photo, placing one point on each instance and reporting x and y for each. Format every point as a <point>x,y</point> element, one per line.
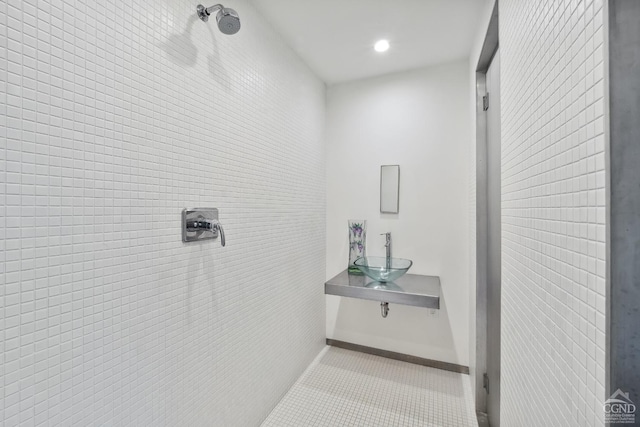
<point>114,116</point>
<point>553,213</point>
<point>419,120</point>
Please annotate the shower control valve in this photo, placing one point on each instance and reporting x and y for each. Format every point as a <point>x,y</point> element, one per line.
<point>201,224</point>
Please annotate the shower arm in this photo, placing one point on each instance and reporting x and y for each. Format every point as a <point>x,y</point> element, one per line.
<point>207,11</point>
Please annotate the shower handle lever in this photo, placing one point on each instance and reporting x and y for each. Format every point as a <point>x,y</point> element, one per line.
<point>216,225</point>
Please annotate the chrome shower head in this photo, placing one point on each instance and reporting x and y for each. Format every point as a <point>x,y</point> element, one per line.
<point>227,19</point>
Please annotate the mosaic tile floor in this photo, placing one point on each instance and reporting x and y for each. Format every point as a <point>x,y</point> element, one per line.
<point>347,388</point>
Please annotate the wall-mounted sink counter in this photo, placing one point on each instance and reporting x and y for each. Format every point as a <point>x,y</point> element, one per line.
<point>410,289</point>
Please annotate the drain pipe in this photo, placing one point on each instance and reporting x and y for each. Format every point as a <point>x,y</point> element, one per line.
<point>384,309</point>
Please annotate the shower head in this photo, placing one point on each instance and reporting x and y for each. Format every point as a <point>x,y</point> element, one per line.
<point>227,19</point>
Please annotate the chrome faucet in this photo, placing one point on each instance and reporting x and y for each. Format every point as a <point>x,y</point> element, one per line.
<point>387,245</point>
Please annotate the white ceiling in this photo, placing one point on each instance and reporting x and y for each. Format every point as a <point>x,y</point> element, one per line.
<point>336,37</point>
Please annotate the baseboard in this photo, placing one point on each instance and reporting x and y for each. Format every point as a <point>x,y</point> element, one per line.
<point>446,366</point>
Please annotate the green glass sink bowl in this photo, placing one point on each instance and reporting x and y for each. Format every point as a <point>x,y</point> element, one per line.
<point>376,267</point>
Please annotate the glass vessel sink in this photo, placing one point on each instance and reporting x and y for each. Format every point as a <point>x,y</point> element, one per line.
<point>377,268</point>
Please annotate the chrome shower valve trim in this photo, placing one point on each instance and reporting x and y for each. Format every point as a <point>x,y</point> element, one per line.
<point>201,224</point>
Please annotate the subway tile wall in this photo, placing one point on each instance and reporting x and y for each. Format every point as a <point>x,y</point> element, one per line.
<point>553,212</point>
<point>115,115</point>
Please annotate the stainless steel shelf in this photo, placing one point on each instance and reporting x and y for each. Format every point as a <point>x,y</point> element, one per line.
<point>410,289</point>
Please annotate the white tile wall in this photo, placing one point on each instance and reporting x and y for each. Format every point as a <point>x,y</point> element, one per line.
<point>553,213</point>
<point>116,115</point>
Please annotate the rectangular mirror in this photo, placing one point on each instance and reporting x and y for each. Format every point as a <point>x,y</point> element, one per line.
<point>389,188</point>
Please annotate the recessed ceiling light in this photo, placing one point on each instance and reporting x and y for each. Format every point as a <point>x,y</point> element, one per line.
<point>381,46</point>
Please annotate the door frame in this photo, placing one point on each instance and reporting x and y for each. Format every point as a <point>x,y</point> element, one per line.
<point>489,48</point>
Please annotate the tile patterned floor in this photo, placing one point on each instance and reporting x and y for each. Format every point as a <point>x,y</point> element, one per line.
<point>346,388</point>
